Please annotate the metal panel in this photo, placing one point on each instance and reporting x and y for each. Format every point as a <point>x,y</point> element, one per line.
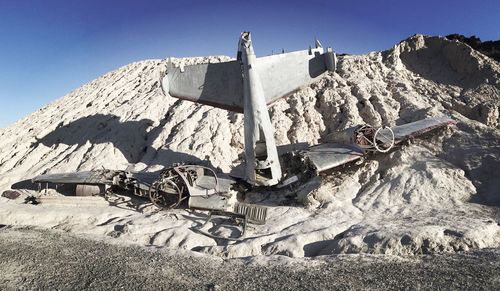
<point>254,213</point>
<point>283,74</point>
<point>214,202</point>
<point>89,177</point>
<point>328,156</point>
<point>219,85</point>
<point>263,167</point>
<point>413,129</point>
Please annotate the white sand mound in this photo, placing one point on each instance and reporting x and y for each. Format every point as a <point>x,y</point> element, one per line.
<point>439,194</point>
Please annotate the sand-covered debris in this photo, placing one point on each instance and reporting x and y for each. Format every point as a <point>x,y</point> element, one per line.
<point>437,194</point>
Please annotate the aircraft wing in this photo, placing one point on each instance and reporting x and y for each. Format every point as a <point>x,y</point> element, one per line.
<point>221,84</point>
<point>330,155</point>
<point>88,177</point>
<point>413,129</point>
<point>327,156</point>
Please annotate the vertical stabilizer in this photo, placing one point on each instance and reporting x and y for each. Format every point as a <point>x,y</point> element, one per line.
<point>262,161</point>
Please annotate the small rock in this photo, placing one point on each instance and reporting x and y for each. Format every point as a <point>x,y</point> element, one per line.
<point>11,194</point>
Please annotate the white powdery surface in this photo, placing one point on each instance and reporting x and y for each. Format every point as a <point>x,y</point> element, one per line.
<point>438,194</point>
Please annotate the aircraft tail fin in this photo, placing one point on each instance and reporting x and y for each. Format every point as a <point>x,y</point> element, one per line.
<point>221,84</point>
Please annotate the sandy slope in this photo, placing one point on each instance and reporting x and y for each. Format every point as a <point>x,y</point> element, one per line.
<point>438,194</point>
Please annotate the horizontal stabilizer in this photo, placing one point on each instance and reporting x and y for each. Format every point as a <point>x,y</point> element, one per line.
<point>221,84</point>
<point>283,74</point>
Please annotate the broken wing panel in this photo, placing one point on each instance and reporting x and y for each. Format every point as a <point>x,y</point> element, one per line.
<point>219,84</point>
<point>89,177</point>
<point>328,156</point>
<point>413,129</point>
<point>283,74</point>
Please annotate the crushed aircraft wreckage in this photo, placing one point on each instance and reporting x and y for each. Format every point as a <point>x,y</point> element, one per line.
<point>247,85</point>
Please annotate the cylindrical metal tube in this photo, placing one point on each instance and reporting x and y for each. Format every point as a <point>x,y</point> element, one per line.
<point>90,190</point>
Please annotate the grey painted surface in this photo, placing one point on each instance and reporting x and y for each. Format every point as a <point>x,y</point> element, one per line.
<point>88,177</point>
<point>258,127</point>
<point>328,156</point>
<point>419,127</point>
<point>219,85</point>
<point>283,74</point>
<point>249,85</point>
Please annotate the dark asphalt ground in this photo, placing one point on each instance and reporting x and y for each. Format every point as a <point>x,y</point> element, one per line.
<point>45,259</point>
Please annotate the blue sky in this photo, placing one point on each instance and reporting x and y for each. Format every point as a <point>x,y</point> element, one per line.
<point>50,47</point>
